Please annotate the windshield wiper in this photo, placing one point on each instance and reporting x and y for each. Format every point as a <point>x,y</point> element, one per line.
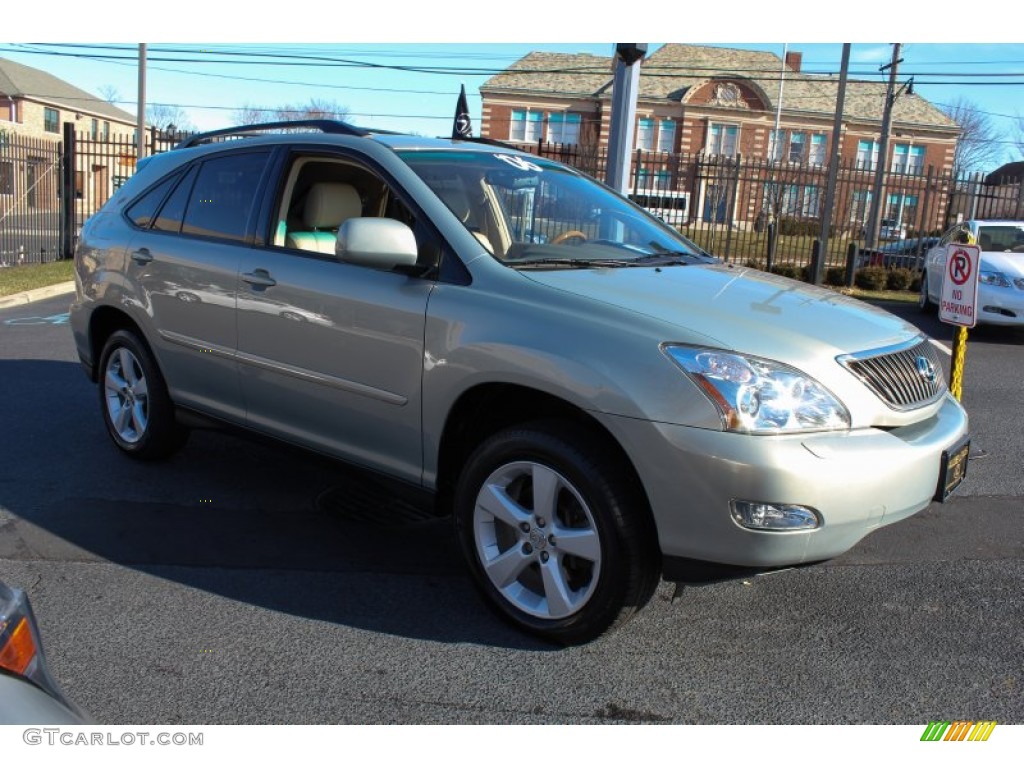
<point>553,261</point>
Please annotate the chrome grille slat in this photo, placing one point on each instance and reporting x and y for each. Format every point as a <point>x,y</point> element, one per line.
<point>893,375</point>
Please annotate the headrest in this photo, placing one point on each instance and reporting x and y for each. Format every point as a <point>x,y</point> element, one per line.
<point>328,204</point>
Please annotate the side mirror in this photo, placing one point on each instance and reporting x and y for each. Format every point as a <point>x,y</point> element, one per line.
<point>378,243</point>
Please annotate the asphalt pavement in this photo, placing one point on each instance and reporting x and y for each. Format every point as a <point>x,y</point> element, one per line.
<point>227,585</point>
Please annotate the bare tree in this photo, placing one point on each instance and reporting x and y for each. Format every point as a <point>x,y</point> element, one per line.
<point>314,109</point>
<point>979,146</point>
<point>168,117</point>
<point>110,93</point>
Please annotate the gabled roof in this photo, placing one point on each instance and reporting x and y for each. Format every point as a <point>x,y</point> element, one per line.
<point>672,70</point>
<point>20,81</point>
<point>572,74</point>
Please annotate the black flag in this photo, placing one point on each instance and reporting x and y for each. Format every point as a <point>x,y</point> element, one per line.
<point>462,128</point>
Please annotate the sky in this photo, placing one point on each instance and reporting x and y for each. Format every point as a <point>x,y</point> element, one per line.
<point>211,81</point>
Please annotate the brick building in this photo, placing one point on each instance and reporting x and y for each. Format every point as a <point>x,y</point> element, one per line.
<point>34,106</point>
<point>705,103</point>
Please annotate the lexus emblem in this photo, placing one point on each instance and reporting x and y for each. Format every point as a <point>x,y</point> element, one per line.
<point>926,369</point>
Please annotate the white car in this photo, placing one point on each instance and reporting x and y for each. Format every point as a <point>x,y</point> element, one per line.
<point>1001,279</point>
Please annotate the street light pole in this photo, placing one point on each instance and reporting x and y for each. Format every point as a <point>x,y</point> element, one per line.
<point>140,118</point>
<point>883,149</point>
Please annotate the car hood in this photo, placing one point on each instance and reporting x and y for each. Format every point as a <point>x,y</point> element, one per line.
<point>999,261</point>
<point>743,309</point>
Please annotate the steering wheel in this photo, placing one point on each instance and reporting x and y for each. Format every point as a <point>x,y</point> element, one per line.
<point>567,235</point>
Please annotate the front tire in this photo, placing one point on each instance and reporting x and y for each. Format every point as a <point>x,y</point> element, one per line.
<point>557,534</point>
<point>137,410</point>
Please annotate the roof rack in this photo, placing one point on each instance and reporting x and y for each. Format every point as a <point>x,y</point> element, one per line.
<point>326,126</point>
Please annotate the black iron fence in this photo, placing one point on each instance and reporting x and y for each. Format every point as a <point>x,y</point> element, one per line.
<point>744,210</point>
<point>752,210</point>
<point>30,211</point>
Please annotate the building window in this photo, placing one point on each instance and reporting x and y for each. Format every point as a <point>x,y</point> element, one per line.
<point>775,140</point>
<point>645,134</point>
<point>657,135</point>
<point>797,142</point>
<point>649,180</point>
<point>563,128</point>
<point>526,125</point>
<point>106,131</point>
<point>793,200</point>
<point>816,156</point>
<point>667,136</point>
<point>94,132</point>
<point>51,120</point>
<point>723,139</point>
<point>901,207</point>
<point>867,155</point>
<point>860,206</point>
<point>908,159</point>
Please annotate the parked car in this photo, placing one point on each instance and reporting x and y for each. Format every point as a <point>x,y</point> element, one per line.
<point>596,401</point>
<point>892,229</point>
<point>888,229</point>
<point>1001,277</point>
<point>902,253</point>
<point>28,693</point>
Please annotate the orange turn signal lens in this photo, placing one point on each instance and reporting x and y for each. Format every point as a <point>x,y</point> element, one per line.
<point>19,650</point>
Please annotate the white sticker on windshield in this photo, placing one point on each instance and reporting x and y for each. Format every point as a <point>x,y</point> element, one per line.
<point>520,162</point>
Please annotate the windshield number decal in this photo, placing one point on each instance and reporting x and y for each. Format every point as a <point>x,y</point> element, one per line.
<point>520,162</point>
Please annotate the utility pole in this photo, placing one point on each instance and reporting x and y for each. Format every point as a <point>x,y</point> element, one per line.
<point>625,86</point>
<point>833,167</point>
<point>140,118</point>
<point>883,148</point>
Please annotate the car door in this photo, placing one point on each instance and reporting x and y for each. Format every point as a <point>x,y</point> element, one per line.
<point>331,353</point>
<point>184,261</point>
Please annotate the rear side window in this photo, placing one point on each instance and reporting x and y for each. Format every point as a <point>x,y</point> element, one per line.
<point>142,211</point>
<point>220,201</point>
<point>173,212</point>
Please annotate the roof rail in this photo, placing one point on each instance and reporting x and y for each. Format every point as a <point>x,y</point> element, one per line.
<point>485,140</point>
<point>326,126</point>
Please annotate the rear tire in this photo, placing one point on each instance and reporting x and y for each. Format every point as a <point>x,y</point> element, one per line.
<point>557,535</point>
<point>137,410</point>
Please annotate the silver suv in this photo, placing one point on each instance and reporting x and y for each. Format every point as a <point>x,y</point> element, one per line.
<point>597,401</point>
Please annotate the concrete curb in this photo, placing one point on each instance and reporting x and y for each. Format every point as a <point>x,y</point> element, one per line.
<point>35,295</point>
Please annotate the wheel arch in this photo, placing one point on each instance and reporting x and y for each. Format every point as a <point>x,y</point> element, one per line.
<point>104,322</point>
<point>486,409</point>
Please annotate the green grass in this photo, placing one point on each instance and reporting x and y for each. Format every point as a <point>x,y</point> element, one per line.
<point>910,297</point>
<point>31,276</point>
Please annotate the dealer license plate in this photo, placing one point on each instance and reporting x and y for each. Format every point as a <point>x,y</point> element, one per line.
<point>953,470</point>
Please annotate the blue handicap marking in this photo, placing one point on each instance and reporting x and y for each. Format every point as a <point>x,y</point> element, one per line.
<point>60,319</point>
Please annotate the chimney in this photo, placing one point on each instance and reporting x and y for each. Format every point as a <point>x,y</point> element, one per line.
<point>793,60</point>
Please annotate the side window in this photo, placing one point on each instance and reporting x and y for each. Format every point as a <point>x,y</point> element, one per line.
<point>173,211</point>
<point>222,197</point>
<point>323,192</point>
<point>142,211</point>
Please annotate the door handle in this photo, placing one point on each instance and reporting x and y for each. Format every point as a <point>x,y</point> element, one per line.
<point>259,278</point>
<point>142,256</point>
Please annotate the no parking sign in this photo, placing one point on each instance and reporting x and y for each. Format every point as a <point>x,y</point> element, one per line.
<point>959,299</point>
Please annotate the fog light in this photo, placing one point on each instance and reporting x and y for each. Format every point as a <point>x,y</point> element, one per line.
<point>759,516</point>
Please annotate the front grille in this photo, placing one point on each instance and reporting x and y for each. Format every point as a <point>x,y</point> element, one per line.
<point>904,377</point>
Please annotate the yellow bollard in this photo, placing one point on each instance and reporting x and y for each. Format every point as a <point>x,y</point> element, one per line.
<point>956,373</point>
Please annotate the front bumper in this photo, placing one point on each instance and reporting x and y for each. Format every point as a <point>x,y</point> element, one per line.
<point>857,481</point>
<point>1000,306</point>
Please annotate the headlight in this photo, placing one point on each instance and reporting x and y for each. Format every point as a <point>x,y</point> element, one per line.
<point>760,396</point>
<point>997,279</point>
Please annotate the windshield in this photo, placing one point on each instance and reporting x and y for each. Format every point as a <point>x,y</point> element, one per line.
<point>530,211</point>
<point>1005,237</point>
